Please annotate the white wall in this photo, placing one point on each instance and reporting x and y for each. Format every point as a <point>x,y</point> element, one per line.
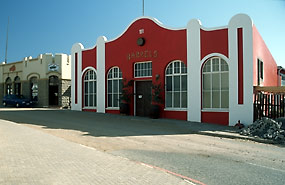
<point>76,48</point>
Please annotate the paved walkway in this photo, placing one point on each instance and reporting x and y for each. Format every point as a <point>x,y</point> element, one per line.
<point>29,156</point>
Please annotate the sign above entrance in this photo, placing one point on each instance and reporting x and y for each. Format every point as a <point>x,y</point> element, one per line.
<point>53,67</point>
<point>13,68</point>
<point>142,54</point>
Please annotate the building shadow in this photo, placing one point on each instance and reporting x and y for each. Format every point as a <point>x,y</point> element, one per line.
<point>108,125</point>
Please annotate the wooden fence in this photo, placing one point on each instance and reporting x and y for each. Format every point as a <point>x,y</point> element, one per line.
<point>269,102</point>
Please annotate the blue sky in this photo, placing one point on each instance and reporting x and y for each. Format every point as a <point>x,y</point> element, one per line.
<point>53,26</point>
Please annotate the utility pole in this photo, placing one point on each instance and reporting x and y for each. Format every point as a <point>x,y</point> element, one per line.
<point>7,42</point>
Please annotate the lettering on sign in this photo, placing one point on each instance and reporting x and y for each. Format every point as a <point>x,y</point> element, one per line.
<point>13,68</point>
<point>53,67</point>
<point>142,54</point>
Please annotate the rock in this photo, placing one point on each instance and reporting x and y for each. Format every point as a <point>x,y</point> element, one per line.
<point>266,128</point>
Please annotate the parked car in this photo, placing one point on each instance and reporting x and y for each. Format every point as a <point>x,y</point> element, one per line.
<point>16,100</point>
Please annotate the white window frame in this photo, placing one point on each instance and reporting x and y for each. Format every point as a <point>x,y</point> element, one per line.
<point>211,85</point>
<point>139,63</point>
<point>260,72</point>
<point>94,90</point>
<point>112,78</point>
<point>173,74</point>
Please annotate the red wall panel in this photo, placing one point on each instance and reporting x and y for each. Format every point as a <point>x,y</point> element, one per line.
<point>161,47</point>
<point>180,115</point>
<point>215,41</point>
<point>260,51</point>
<point>221,118</point>
<point>89,58</point>
<point>240,65</point>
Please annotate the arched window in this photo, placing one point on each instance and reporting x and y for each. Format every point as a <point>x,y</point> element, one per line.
<point>215,84</point>
<point>176,85</point>
<point>8,83</point>
<point>17,85</point>
<point>114,84</point>
<point>34,88</point>
<point>90,99</point>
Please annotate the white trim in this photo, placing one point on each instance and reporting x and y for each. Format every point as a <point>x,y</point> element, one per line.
<point>113,108</point>
<point>215,55</point>
<point>89,108</point>
<point>88,68</point>
<point>243,112</point>
<point>83,85</point>
<point>214,110</point>
<point>76,48</point>
<point>204,61</point>
<point>172,75</point>
<point>143,69</point>
<point>214,28</point>
<point>156,21</point>
<point>193,71</point>
<point>112,93</point>
<point>101,76</point>
<point>175,109</point>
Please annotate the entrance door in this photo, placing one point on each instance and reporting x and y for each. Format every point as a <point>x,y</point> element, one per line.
<point>53,95</point>
<point>143,98</point>
<point>53,90</point>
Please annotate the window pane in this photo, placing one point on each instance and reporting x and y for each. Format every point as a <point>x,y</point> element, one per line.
<point>169,69</point>
<point>120,86</point>
<point>168,83</point>
<point>183,68</point>
<point>184,99</point>
<point>206,81</point>
<point>225,81</point>
<point>216,99</point>
<point>110,75</point>
<point>216,81</point>
<point>176,83</point>
<point>95,87</point>
<point>91,100</point>
<point>206,99</point>
<point>109,100</point>
<point>176,67</point>
<point>95,100</point>
<point>120,74</point>
<point>86,100</point>
<point>225,99</point>
<point>215,64</point>
<point>207,66</point>
<point>109,86</point>
<point>116,75</point>
<point>184,82</point>
<point>86,87</point>
<point>90,87</point>
<point>177,99</point>
<point>116,100</point>
<point>224,65</point>
<point>168,99</point>
<point>115,86</point>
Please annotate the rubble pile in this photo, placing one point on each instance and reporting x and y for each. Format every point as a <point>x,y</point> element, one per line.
<point>266,128</point>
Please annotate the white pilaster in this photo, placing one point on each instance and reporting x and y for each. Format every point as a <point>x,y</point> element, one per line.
<point>76,48</point>
<point>193,71</point>
<point>242,112</point>
<point>101,74</point>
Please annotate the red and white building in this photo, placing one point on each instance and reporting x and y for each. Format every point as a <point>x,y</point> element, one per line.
<point>208,74</point>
